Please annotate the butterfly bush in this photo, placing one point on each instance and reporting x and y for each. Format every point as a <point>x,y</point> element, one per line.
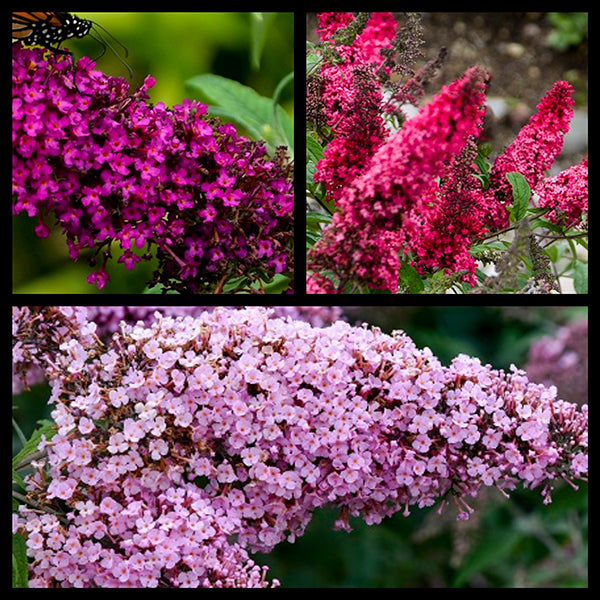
<point>107,320</point>
<point>116,172</point>
<point>184,445</point>
<point>439,230</point>
<point>566,196</point>
<point>442,205</point>
<point>533,152</point>
<point>399,174</point>
<point>350,99</point>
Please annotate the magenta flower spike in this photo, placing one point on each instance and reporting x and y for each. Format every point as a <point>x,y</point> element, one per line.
<point>351,99</point>
<point>362,243</point>
<point>566,196</point>
<point>536,146</point>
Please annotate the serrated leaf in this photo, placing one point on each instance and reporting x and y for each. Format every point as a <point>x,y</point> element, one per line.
<point>521,195</point>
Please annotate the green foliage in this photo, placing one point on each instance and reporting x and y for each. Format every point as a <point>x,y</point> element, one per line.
<point>411,279</point>
<point>314,153</point>
<point>569,29</point>
<point>45,429</point>
<point>175,46</point>
<point>483,151</point>
<point>314,221</point>
<point>19,562</point>
<point>508,543</point>
<point>580,277</point>
<point>259,27</point>
<point>521,195</point>
<point>313,59</point>
<point>21,462</point>
<point>259,116</point>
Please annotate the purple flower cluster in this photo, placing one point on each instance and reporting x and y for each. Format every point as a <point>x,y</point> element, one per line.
<point>184,445</point>
<point>110,168</point>
<point>107,320</point>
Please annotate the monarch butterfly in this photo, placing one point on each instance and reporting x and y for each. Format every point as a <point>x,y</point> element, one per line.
<point>50,29</point>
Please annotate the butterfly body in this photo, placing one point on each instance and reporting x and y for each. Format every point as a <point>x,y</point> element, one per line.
<point>50,29</point>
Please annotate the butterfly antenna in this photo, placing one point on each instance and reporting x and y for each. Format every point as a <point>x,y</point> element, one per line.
<point>111,36</point>
<point>105,43</point>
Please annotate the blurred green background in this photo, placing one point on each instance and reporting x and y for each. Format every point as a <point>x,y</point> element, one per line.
<point>172,47</point>
<point>506,543</point>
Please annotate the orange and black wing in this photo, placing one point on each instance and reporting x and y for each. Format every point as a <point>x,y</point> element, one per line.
<point>26,24</point>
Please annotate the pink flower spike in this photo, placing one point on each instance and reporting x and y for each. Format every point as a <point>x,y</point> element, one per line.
<point>536,146</point>
<point>362,242</point>
<point>566,195</point>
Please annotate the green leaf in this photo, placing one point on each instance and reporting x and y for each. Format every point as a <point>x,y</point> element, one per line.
<point>259,23</point>
<point>582,241</point>
<point>16,478</point>
<point>552,253</point>
<point>275,107</point>
<point>521,195</point>
<point>580,277</point>
<point>244,106</point>
<point>19,562</point>
<point>314,153</point>
<point>483,151</point>
<point>313,220</point>
<point>314,150</point>
<point>311,239</point>
<point>493,548</point>
<point>313,59</point>
<point>278,285</point>
<point>310,175</point>
<point>410,278</point>
<point>158,289</point>
<point>46,428</point>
